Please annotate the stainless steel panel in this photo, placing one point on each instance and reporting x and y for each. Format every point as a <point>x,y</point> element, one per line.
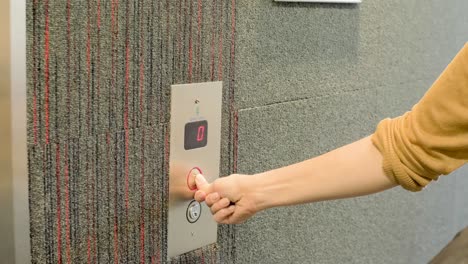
<point>192,103</point>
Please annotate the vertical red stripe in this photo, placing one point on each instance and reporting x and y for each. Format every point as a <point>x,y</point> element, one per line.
<point>166,164</point>
<point>236,137</point>
<point>59,213</point>
<point>113,20</point>
<point>126,113</point>
<point>35,73</point>
<point>153,259</point>
<point>220,46</point>
<point>98,86</point>
<point>213,26</point>
<point>113,36</point>
<point>116,234</point>
<point>231,79</point>
<point>108,169</point>
<point>93,204</point>
<point>142,62</point>
<point>114,29</point>
<point>142,158</point>
<point>88,112</point>
<point>233,34</point>
<point>116,219</point>
<point>76,65</point>
<point>67,205</point>
<point>68,64</point>
<point>35,109</point>
<point>186,16</point>
<point>46,70</point>
<point>99,14</point>
<point>168,22</point>
<point>88,232</point>
<point>142,81</point>
<point>88,67</point>
<point>158,256</point>
<point>233,46</point>
<point>153,204</point>
<point>142,190</point>
<point>213,257</point>
<point>199,58</point>
<point>179,35</point>
<point>190,45</point>
<point>166,147</point>
<point>126,128</point>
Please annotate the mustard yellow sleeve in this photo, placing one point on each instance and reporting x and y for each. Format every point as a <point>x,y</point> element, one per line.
<point>432,138</point>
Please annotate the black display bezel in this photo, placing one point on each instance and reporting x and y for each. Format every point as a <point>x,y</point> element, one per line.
<point>192,133</point>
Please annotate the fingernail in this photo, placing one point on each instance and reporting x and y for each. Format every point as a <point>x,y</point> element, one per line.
<point>215,196</point>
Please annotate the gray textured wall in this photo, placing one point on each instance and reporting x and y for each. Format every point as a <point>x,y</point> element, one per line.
<point>323,75</point>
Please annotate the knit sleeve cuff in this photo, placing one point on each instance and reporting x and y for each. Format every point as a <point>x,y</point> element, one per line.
<point>386,141</point>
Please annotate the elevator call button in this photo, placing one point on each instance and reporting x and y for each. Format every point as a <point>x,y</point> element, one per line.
<point>193,211</point>
<point>191,178</point>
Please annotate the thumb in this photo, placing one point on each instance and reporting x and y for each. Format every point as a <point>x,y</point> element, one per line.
<point>202,184</point>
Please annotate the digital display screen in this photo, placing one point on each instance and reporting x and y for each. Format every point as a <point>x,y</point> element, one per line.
<point>196,135</point>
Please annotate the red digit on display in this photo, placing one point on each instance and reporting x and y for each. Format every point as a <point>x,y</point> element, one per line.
<point>201,133</point>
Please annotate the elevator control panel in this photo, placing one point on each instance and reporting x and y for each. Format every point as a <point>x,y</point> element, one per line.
<point>195,146</point>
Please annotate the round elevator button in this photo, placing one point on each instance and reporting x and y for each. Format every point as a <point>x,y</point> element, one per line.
<point>191,178</point>
<point>193,211</point>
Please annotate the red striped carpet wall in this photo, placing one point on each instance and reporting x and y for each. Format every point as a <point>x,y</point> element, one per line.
<point>99,76</point>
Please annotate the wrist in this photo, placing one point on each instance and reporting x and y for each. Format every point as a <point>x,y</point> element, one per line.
<point>260,191</point>
<point>278,188</point>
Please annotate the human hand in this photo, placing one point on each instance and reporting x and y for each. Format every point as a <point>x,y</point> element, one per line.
<point>231,199</point>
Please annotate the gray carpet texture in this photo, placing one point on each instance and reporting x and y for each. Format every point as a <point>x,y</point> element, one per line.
<point>99,76</point>
<point>299,79</point>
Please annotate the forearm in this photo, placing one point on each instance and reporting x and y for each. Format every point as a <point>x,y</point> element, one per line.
<point>349,171</point>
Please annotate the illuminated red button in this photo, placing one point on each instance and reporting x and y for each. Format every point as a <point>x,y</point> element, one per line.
<point>191,178</point>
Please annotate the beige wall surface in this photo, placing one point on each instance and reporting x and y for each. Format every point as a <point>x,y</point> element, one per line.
<point>14,219</point>
<point>6,202</point>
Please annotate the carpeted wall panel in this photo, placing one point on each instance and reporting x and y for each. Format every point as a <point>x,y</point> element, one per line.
<point>313,77</point>
<point>99,76</point>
